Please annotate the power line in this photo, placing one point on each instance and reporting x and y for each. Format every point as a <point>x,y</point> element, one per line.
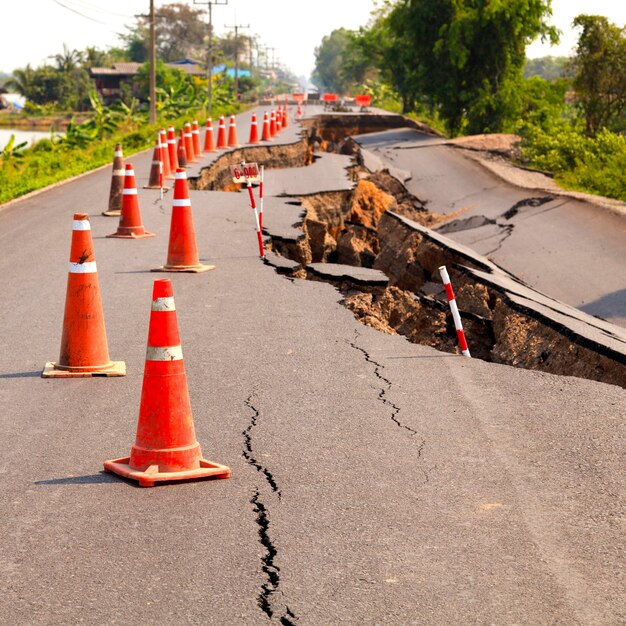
<point>81,14</point>
<point>85,5</point>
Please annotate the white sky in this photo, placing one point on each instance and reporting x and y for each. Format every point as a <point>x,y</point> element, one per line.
<point>32,30</point>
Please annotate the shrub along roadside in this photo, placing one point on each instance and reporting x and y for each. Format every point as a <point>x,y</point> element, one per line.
<point>594,165</point>
<point>85,148</point>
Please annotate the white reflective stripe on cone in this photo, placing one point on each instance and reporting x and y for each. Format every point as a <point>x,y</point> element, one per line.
<point>180,175</point>
<point>118,153</point>
<point>164,353</point>
<point>163,304</point>
<point>119,172</point>
<point>83,268</point>
<point>129,192</point>
<point>181,202</point>
<point>81,225</point>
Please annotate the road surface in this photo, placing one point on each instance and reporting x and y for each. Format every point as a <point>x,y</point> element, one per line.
<point>374,481</point>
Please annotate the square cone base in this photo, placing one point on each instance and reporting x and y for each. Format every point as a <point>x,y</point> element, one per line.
<point>142,236</point>
<point>184,268</point>
<point>150,476</point>
<point>155,187</point>
<point>116,368</point>
<point>113,213</point>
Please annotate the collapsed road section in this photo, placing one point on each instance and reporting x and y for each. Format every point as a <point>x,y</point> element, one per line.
<point>370,221</point>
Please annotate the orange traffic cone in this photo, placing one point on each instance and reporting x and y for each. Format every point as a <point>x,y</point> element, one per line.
<point>188,142</point>
<point>84,349</point>
<point>130,226</point>
<point>299,111</point>
<point>167,169</point>
<point>195,131</point>
<point>117,183</point>
<point>254,130</point>
<point>209,140</point>
<point>279,121</point>
<point>181,153</point>
<point>166,448</point>
<point>266,135</point>
<point>221,134</point>
<point>182,254</point>
<point>171,149</point>
<point>156,171</point>
<point>233,142</point>
<point>284,118</point>
<point>273,130</point>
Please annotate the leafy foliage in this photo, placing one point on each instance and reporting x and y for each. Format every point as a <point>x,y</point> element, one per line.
<point>12,152</point>
<point>180,34</point>
<point>67,84</point>
<point>592,164</point>
<point>548,68</point>
<point>600,73</point>
<point>331,62</point>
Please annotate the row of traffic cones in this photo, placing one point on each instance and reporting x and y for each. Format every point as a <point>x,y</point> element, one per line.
<point>165,447</point>
<point>168,155</point>
<point>84,349</point>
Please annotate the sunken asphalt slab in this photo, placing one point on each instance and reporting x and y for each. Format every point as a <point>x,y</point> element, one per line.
<point>374,481</point>
<point>570,249</point>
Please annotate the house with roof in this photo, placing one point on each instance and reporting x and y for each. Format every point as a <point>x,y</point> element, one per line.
<point>109,80</point>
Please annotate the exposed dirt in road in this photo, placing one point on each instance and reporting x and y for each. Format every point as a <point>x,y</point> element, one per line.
<point>360,228</point>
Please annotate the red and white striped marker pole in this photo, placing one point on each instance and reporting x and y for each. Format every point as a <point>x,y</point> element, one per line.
<point>261,199</point>
<point>256,215</point>
<point>460,333</point>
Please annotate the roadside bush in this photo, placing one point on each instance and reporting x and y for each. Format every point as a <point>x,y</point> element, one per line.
<point>50,161</point>
<point>581,163</point>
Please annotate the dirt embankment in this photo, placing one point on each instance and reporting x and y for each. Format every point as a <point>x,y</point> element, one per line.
<point>380,225</point>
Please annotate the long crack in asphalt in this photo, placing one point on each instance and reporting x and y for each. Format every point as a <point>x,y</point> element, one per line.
<point>506,230</point>
<point>247,450</point>
<point>382,397</point>
<point>269,567</point>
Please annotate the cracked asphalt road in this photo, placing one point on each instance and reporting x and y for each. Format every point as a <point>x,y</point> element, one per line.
<point>564,247</point>
<point>407,486</point>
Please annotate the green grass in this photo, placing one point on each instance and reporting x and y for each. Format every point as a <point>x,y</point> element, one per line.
<point>46,163</point>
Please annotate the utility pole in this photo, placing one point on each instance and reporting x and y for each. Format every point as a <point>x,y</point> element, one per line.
<point>237,27</point>
<point>152,18</point>
<point>210,4</point>
<point>273,51</point>
<point>251,59</point>
<point>250,53</point>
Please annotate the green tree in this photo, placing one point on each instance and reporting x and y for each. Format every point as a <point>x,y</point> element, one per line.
<point>600,73</point>
<point>21,81</point>
<point>76,83</point>
<point>166,78</point>
<point>543,105</point>
<point>548,68</point>
<point>328,74</point>
<point>466,56</point>
<point>42,85</point>
<point>68,60</point>
<point>135,43</point>
<point>180,33</point>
